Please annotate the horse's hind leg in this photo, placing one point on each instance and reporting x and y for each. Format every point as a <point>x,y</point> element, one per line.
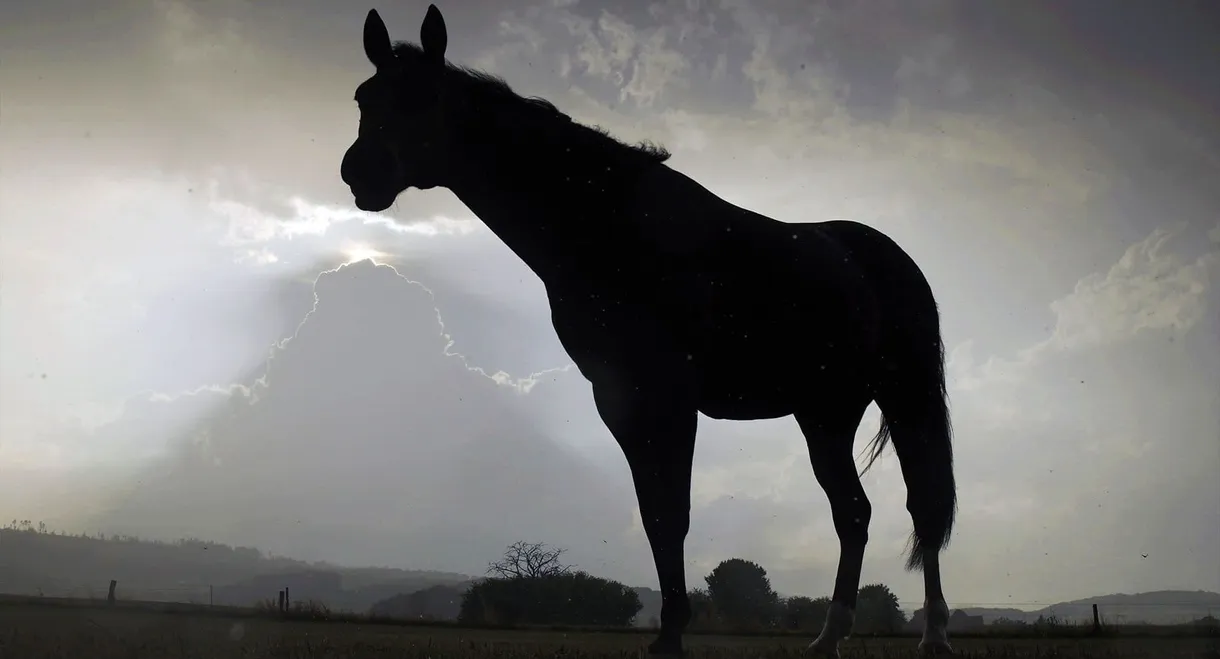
<point>936,611</point>
<point>916,413</point>
<point>829,432</point>
<point>919,424</point>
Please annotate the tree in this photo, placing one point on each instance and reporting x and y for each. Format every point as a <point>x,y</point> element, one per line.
<point>569,598</point>
<point>528,560</point>
<point>877,610</point>
<point>742,594</point>
<point>530,585</point>
<point>805,614</point>
<point>703,611</point>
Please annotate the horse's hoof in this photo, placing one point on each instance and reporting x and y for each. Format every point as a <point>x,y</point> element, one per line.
<point>823,649</point>
<point>935,648</point>
<point>666,649</point>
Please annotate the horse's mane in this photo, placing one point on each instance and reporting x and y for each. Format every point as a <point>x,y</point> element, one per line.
<point>493,89</point>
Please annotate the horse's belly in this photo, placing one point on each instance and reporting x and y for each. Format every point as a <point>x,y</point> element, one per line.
<point>718,405</point>
<point>747,383</point>
<point>772,373</point>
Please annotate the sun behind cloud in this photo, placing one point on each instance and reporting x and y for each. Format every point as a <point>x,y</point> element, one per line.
<point>356,252</point>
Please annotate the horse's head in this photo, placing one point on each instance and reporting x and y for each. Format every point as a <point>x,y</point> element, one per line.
<point>401,141</point>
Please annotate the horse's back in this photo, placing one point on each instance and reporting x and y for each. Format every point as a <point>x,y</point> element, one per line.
<point>895,279</point>
<point>832,282</point>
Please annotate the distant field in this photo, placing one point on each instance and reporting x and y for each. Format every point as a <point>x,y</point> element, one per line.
<point>68,629</point>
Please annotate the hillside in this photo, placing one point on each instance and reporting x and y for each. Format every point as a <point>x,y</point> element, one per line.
<point>61,565</point>
<point>1160,607</point>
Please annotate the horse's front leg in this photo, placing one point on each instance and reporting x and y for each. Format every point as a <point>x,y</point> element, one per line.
<point>655,426</point>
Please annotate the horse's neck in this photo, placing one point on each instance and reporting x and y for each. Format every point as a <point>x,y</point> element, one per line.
<point>528,229</point>
<point>542,216</point>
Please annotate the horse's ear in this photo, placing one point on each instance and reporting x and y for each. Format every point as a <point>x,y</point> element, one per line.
<point>377,46</point>
<point>433,36</point>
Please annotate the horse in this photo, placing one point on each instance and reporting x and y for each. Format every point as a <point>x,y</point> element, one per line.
<point>673,302</point>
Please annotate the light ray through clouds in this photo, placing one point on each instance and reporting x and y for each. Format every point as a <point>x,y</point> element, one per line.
<point>253,229</point>
<point>521,385</point>
<point>358,253</point>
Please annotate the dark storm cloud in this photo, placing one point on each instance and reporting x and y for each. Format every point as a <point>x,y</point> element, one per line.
<point>368,427</point>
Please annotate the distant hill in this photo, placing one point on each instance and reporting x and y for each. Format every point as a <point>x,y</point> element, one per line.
<point>433,603</point>
<point>650,611</point>
<point>1160,607</point>
<point>61,565</point>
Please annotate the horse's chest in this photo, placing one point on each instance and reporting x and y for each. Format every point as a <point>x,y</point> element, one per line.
<point>621,326</point>
<point>605,324</point>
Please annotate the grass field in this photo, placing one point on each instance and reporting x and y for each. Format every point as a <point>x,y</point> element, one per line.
<point>33,630</point>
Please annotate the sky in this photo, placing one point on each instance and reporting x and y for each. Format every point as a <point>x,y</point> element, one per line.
<point>194,344</point>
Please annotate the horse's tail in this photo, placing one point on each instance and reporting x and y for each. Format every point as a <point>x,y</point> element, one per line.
<point>915,417</point>
<point>909,385</point>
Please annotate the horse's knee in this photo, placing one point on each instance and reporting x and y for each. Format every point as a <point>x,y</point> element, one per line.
<point>851,518</point>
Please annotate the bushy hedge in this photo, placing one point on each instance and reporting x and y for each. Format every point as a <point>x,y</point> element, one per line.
<point>575,598</point>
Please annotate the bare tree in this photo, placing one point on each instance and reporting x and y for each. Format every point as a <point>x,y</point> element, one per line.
<point>528,560</point>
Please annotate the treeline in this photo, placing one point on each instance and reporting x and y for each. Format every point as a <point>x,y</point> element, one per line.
<point>530,585</point>
<point>738,596</point>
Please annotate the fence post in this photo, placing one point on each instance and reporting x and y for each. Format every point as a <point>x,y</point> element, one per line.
<point>1096,621</point>
<point>281,605</point>
<point>110,593</point>
<point>287,599</point>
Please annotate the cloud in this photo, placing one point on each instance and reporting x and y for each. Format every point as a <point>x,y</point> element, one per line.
<point>251,225</point>
<point>1152,287</point>
<point>363,421</point>
<point>770,87</point>
<point>193,39</point>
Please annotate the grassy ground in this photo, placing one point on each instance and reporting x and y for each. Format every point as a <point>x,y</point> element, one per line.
<point>34,631</point>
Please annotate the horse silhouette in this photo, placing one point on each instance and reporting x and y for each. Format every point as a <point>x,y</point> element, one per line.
<point>673,302</point>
